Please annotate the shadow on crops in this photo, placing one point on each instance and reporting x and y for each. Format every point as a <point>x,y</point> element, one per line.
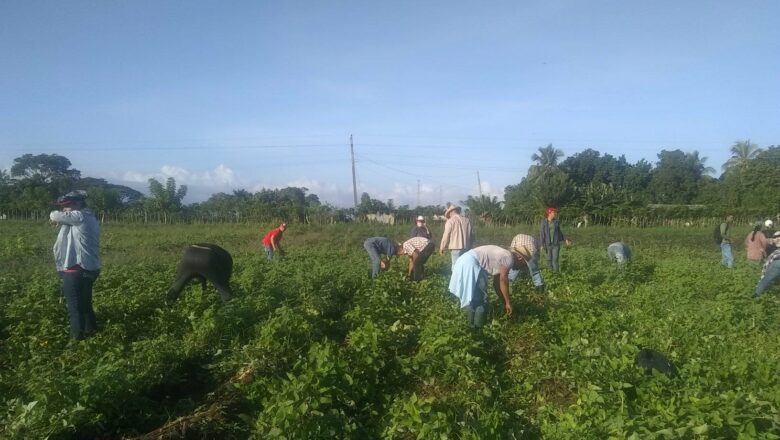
<point>183,386</point>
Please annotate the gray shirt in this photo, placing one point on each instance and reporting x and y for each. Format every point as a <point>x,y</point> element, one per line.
<point>491,258</point>
<point>78,242</point>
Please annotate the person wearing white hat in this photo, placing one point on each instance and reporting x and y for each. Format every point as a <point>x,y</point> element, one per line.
<point>769,233</point>
<point>458,235</point>
<point>420,229</point>
<point>77,257</point>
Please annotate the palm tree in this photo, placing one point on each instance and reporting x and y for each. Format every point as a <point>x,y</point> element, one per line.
<point>742,152</point>
<point>547,157</point>
<point>699,163</point>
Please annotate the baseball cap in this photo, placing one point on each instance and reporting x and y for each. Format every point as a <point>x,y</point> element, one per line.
<point>73,196</point>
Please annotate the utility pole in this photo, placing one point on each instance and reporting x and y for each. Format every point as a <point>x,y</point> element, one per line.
<point>479,184</point>
<point>418,192</point>
<point>354,180</point>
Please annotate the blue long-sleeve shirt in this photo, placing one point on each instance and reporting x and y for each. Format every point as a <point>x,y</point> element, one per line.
<point>78,242</point>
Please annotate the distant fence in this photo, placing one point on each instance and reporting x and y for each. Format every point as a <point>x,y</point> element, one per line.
<point>153,217</point>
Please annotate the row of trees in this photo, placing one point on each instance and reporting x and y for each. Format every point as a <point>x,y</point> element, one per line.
<point>679,184</point>
<point>587,184</point>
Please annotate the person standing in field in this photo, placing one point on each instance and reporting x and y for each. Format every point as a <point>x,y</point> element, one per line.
<point>551,237</point>
<point>420,229</point>
<point>755,244</point>
<point>273,241</point>
<point>527,248</point>
<point>419,249</point>
<point>376,247</point>
<point>619,252</point>
<point>726,255</point>
<point>77,258</point>
<point>470,276</point>
<point>769,233</point>
<point>770,273</point>
<point>458,235</point>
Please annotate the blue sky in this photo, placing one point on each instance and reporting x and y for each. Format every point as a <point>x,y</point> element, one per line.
<point>228,95</point>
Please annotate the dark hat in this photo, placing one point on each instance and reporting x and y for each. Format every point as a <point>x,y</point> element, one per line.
<point>73,196</point>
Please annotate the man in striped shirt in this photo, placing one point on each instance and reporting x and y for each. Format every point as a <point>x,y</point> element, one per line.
<point>419,249</point>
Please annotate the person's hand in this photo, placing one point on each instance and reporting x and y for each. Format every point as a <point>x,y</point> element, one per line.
<point>568,242</point>
<point>441,252</point>
<point>508,308</point>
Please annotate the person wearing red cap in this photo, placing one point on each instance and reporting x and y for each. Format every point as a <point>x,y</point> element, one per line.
<point>273,240</point>
<point>550,238</point>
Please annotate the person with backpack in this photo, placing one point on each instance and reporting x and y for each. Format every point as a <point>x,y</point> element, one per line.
<point>722,235</point>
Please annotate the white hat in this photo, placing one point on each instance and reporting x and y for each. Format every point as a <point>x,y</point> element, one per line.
<point>420,218</point>
<point>450,209</point>
<point>769,224</point>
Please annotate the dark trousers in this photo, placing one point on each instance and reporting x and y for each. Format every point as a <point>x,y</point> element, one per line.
<point>418,270</point>
<point>77,288</point>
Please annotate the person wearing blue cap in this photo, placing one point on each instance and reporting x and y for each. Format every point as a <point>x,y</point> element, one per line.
<point>527,247</point>
<point>619,251</point>
<point>77,258</point>
<point>469,279</point>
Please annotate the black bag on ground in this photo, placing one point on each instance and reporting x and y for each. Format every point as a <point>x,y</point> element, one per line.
<point>650,360</point>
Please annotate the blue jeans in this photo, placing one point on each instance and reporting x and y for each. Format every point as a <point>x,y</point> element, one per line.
<point>269,252</point>
<point>373,254</point>
<point>533,269</point>
<point>553,256</point>
<point>771,275</point>
<point>77,288</point>
<point>476,311</point>
<point>726,257</point>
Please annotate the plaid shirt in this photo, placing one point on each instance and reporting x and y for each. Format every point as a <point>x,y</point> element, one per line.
<point>769,260</point>
<point>525,245</point>
<point>415,244</point>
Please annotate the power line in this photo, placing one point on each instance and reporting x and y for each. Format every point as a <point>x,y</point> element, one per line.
<point>414,175</point>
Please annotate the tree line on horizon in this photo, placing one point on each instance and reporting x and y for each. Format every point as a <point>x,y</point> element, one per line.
<point>587,184</point>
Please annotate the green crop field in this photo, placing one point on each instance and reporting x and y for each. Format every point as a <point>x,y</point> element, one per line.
<point>311,348</point>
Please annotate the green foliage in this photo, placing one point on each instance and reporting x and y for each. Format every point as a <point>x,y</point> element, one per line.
<point>311,348</point>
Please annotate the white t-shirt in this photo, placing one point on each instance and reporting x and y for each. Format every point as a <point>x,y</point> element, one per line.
<point>492,257</point>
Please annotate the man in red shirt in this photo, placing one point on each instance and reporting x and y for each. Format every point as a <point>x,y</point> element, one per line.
<point>272,241</point>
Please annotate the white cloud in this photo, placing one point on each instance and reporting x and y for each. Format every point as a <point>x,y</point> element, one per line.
<point>202,184</point>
